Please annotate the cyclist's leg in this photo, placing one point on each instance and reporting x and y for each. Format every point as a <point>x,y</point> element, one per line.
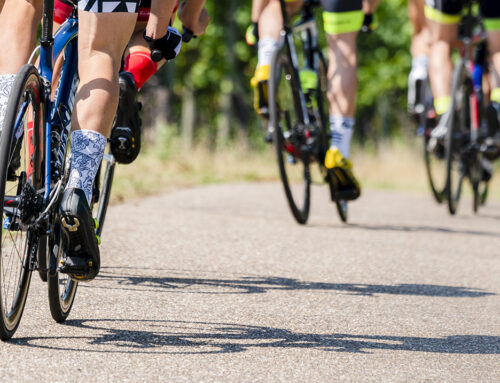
<point>442,17</point>
<point>420,42</point>
<point>18,24</point>
<point>102,38</point>
<point>342,20</point>
<point>270,24</point>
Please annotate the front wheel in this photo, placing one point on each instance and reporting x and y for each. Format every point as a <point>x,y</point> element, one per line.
<point>289,136</point>
<point>20,181</point>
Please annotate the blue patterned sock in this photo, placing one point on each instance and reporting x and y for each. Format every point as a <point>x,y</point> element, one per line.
<point>87,149</point>
<point>6,82</point>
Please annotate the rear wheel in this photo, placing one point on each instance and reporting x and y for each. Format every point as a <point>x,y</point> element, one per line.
<point>20,180</point>
<point>435,166</point>
<point>456,142</point>
<point>289,134</point>
<point>62,289</point>
<point>102,189</point>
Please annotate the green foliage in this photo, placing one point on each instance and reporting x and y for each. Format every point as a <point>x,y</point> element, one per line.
<point>220,63</point>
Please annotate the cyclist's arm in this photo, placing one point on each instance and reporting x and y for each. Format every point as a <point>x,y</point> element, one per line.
<point>159,18</point>
<point>194,16</point>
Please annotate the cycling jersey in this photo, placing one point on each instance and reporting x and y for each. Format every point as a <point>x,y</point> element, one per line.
<point>449,12</point>
<point>342,16</point>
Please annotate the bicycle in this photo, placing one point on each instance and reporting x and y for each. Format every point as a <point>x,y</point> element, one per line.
<point>465,125</point>
<point>434,153</point>
<point>298,109</point>
<point>34,158</point>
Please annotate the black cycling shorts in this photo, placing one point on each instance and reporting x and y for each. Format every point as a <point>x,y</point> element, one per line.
<point>342,16</point>
<point>449,12</point>
<point>108,6</point>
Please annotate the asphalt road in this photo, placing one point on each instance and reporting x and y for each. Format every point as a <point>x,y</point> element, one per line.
<point>219,284</point>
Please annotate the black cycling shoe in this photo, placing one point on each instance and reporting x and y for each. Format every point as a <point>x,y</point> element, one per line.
<point>126,133</point>
<point>82,259</point>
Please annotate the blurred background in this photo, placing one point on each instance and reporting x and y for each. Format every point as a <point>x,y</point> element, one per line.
<point>200,127</point>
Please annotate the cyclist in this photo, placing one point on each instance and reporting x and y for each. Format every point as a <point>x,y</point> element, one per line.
<point>343,20</point>
<point>420,42</point>
<point>105,28</point>
<point>443,17</point>
<point>138,67</point>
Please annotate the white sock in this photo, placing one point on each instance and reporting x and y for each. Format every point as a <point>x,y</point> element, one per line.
<point>267,46</point>
<point>6,82</point>
<point>341,129</point>
<point>87,149</point>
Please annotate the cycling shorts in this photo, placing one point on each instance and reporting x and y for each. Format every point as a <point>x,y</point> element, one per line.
<point>449,12</point>
<point>342,16</point>
<point>109,6</point>
<point>62,10</point>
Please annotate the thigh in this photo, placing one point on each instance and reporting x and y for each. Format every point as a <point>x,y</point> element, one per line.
<point>342,16</point>
<point>105,36</point>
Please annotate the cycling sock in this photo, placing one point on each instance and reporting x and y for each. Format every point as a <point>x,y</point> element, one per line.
<point>420,62</point>
<point>267,46</point>
<point>442,104</point>
<point>141,66</point>
<point>341,129</point>
<point>495,95</point>
<point>6,82</point>
<point>87,150</point>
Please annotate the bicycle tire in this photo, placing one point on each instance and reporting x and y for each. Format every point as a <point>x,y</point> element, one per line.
<point>458,133</point>
<point>61,288</point>
<point>21,160</point>
<point>439,193</point>
<point>284,89</point>
<point>102,189</point>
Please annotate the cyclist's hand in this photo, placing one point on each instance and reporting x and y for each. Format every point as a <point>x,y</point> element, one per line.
<point>195,20</point>
<point>369,23</point>
<point>167,47</point>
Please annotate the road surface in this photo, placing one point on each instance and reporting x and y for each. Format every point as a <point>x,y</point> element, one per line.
<point>219,284</point>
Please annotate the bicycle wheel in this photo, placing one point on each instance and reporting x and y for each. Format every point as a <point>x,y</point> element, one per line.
<point>289,136</point>
<point>457,139</point>
<point>62,289</point>
<point>102,189</point>
<point>20,179</point>
<point>436,169</point>
<point>321,112</point>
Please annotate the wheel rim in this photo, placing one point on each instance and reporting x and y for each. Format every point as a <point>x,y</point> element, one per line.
<point>17,244</point>
<point>289,141</point>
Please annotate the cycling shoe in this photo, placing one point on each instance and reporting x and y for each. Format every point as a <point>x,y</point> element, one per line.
<point>126,133</point>
<point>82,258</point>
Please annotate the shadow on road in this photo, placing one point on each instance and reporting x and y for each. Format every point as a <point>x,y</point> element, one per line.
<point>179,337</point>
<point>239,284</point>
<point>419,229</point>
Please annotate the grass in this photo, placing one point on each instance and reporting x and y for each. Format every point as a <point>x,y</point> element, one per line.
<point>393,166</point>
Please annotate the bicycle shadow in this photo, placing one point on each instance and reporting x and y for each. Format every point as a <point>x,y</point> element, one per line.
<point>114,278</point>
<point>180,337</point>
<point>416,229</point>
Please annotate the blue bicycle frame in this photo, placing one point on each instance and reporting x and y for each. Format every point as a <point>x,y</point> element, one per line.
<point>57,112</point>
